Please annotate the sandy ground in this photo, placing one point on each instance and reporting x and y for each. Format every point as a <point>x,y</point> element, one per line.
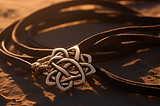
<point>20,90</point>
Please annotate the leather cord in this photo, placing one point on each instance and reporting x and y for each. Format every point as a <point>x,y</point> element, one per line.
<point>103,46</point>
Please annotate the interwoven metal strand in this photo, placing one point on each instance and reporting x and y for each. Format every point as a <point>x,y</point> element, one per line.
<point>65,68</point>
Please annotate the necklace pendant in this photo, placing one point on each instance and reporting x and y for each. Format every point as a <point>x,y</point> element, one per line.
<point>65,68</point>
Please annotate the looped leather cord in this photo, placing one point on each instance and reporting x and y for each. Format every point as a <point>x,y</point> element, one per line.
<point>103,46</point>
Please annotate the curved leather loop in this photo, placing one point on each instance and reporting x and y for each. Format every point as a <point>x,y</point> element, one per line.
<point>102,46</point>
<point>36,16</point>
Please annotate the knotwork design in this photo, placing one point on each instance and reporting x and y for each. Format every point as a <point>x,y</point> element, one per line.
<point>65,67</point>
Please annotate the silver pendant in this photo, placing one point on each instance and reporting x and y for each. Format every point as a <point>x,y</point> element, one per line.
<point>65,67</point>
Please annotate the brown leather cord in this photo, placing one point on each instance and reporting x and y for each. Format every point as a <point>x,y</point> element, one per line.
<point>32,52</point>
<point>27,21</point>
<point>103,46</point>
<point>90,14</point>
<point>11,58</point>
<point>49,10</point>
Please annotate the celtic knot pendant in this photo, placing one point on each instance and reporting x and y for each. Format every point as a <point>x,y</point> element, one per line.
<point>65,67</point>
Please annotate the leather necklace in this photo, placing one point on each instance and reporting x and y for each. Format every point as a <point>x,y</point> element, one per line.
<point>67,67</point>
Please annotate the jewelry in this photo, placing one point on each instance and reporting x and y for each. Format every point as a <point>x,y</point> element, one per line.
<point>69,63</point>
<point>68,67</point>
